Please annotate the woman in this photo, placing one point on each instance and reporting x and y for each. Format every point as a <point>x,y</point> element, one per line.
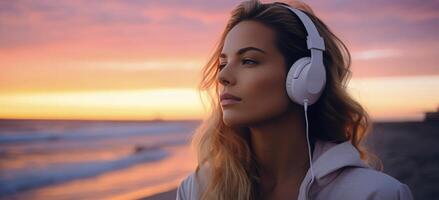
<point>255,143</point>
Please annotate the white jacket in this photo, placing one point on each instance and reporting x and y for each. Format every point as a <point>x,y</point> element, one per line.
<point>339,172</point>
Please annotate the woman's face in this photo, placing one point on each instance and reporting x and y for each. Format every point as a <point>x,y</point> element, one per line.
<point>253,69</point>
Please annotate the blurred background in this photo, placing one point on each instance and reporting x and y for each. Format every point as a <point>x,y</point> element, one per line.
<point>98,98</point>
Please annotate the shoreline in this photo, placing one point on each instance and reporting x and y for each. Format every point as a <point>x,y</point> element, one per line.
<point>167,195</point>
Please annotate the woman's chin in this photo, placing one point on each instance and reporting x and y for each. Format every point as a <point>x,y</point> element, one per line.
<point>234,121</point>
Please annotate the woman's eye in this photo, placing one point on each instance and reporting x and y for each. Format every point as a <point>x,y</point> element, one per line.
<point>245,61</point>
<point>248,61</point>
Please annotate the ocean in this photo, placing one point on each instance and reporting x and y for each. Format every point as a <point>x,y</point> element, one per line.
<point>64,159</point>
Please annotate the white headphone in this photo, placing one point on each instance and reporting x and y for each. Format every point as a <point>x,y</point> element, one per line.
<point>306,78</point>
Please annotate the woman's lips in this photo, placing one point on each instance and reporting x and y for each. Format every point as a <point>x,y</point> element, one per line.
<point>225,102</point>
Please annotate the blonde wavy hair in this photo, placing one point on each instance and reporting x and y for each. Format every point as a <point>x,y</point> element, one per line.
<point>336,116</point>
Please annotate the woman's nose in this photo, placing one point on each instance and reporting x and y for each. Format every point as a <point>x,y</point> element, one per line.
<point>225,78</point>
<point>223,81</point>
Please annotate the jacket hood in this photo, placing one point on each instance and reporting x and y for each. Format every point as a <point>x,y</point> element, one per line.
<point>328,159</point>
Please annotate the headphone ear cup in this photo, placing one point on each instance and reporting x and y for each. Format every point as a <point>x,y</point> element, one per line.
<point>295,83</point>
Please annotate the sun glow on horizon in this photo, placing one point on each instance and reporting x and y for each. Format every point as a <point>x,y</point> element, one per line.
<point>384,98</point>
<point>397,98</point>
<point>125,105</point>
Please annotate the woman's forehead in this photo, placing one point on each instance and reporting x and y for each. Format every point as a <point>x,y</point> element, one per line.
<point>248,33</point>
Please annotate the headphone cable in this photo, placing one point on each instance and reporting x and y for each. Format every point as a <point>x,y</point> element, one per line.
<point>305,102</point>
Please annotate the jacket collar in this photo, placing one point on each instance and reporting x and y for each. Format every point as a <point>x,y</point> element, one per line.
<point>330,157</point>
<point>327,159</point>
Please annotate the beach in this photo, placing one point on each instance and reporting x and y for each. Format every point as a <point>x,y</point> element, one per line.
<point>126,160</point>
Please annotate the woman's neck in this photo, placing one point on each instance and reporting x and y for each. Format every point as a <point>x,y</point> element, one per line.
<point>281,148</point>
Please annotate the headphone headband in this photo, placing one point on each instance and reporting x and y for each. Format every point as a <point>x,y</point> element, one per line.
<point>313,41</point>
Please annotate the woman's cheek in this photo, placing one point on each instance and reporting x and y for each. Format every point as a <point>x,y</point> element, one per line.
<point>266,96</point>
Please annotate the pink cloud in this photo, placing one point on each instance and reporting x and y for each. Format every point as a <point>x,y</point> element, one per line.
<point>139,30</point>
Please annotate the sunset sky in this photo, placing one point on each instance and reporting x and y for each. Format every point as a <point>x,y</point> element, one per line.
<point>142,59</point>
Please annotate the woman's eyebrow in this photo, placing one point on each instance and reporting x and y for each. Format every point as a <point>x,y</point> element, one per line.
<point>243,50</point>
